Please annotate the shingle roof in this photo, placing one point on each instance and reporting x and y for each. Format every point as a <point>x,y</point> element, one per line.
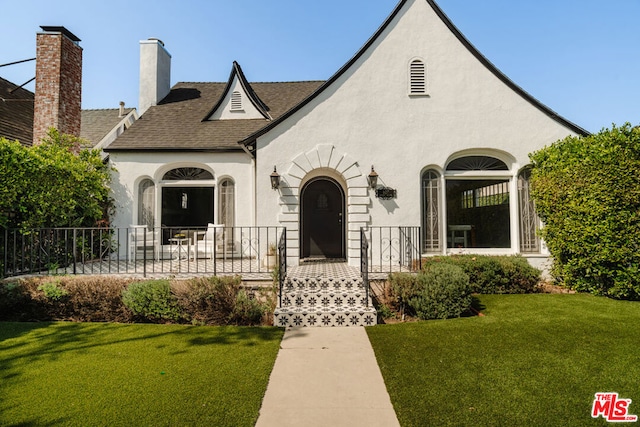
<point>16,113</point>
<point>176,123</point>
<point>96,124</point>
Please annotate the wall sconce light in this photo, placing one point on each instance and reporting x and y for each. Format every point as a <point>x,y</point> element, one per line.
<point>275,179</point>
<point>372,178</point>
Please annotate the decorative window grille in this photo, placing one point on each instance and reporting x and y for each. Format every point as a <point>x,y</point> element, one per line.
<point>529,220</point>
<point>430,206</point>
<point>187,174</point>
<point>417,78</point>
<point>146,203</point>
<point>227,203</point>
<point>477,163</point>
<point>236,101</point>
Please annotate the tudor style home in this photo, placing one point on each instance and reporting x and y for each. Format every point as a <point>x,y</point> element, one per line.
<point>417,129</point>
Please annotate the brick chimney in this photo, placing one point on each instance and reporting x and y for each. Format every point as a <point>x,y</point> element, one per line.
<point>58,83</point>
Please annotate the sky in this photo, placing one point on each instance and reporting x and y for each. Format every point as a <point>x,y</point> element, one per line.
<point>581,58</point>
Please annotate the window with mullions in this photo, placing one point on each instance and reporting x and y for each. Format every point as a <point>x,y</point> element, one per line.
<point>146,203</point>
<point>529,220</point>
<point>430,208</point>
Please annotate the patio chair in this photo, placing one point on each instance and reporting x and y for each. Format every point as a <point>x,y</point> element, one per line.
<point>142,239</point>
<point>204,242</point>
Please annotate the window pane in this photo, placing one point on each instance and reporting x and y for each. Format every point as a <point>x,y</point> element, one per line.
<point>529,221</point>
<point>227,203</point>
<point>430,223</point>
<point>478,214</point>
<point>146,203</point>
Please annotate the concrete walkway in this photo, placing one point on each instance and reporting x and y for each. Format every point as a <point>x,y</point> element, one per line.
<point>326,377</point>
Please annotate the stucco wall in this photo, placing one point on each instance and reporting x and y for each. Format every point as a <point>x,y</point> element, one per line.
<point>131,168</point>
<point>367,118</point>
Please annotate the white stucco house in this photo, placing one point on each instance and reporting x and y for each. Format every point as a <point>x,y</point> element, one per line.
<point>447,134</point>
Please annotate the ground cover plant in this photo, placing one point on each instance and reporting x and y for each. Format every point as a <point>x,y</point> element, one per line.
<point>143,375</point>
<point>532,360</point>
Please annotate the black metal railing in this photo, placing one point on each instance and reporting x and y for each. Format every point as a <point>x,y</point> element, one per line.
<point>282,263</point>
<point>216,250</point>
<point>364,261</point>
<point>392,248</point>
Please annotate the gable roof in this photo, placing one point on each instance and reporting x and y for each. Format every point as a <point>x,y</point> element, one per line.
<point>16,112</point>
<point>250,140</point>
<point>176,123</point>
<point>236,71</point>
<point>96,124</point>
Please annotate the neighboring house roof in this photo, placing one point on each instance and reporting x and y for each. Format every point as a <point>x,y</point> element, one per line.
<point>250,140</point>
<point>16,112</point>
<point>98,124</point>
<point>178,122</point>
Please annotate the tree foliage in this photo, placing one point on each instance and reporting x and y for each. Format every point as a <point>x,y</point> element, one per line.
<point>49,185</point>
<point>587,192</point>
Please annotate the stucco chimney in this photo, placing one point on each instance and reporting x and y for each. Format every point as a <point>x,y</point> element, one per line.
<point>121,110</point>
<point>155,73</point>
<point>58,94</point>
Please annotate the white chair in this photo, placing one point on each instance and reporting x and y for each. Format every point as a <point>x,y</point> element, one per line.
<point>204,242</point>
<point>142,239</point>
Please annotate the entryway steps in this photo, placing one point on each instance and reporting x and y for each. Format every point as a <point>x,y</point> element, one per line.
<point>324,295</point>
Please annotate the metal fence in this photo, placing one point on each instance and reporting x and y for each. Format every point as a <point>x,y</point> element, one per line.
<point>392,249</point>
<point>216,250</point>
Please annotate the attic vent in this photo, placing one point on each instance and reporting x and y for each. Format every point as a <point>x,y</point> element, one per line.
<point>236,101</point>
<point>417,78</point>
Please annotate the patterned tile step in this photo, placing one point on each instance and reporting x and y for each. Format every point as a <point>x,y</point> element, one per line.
<point>322,283</point>
<point>324,299</point>
<point>297,317</point>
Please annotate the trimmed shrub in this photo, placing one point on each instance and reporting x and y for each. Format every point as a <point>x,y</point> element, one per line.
<point>152,300</point>
<point>14,301</point>
<point>247,309</point>
<point>444,293</point>
<point>493,274</point>
<point>218,301</point>
<point>587,192</point>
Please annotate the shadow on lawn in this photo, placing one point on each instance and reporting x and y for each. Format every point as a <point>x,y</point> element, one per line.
<point>24,343</point>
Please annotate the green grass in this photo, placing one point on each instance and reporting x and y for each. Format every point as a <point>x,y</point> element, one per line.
<point>79,374</point>
<point>533,360</point>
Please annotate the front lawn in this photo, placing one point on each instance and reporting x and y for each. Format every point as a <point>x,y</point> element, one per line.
<point>143,375</point>
<point>532,360</point>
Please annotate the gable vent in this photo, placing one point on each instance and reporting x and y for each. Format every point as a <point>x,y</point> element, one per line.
<point>236,101</point>
<point>417,78</point>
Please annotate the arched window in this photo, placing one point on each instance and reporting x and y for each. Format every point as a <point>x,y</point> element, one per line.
<point>226,212</point>
<point>146,203</point>
<point>478,206</point>
<point>430,208</point>
<point>187,174</point>
<point>417,77</point>
<point>529,220</point>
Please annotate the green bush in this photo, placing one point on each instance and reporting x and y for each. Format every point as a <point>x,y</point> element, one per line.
<point>52,291</point>
<point>493,274</point>
<point>219,301</point>
<point>587,192</point>
<point>152,300</point>
<point>444,293</point>
<point>13,300</point>
<point>247,310</point>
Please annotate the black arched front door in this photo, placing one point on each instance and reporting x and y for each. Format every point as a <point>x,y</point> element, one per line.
<point>322,228</point>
